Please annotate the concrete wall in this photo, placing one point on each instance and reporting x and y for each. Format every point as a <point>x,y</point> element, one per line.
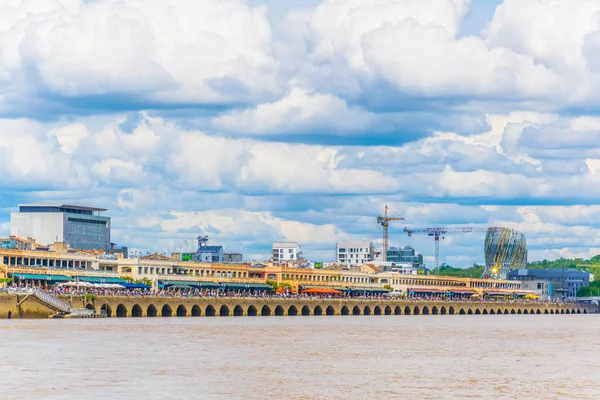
<point>45,228</point>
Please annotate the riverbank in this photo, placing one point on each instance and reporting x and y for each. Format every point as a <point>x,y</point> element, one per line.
<point>150,306</point>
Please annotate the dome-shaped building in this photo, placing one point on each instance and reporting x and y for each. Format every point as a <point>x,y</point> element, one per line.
<point>504,249</point>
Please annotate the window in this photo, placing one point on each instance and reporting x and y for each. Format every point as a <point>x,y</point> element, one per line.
<point>342,250</point>
<point>290,251</point>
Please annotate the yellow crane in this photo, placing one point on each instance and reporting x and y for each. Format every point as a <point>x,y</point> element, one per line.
<point>384,221</point>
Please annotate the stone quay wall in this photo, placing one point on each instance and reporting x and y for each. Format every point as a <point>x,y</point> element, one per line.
<point>123,307</point>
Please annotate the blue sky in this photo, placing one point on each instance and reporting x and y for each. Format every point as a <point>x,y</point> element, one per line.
<point>259,121</point>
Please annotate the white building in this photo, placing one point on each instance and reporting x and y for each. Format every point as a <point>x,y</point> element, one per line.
<point>354,253</point>
<point>78,226</point>
<point>286,251</point>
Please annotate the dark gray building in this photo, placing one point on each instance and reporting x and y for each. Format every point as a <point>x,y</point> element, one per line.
<point>405,255</point>
<point>563,283</point>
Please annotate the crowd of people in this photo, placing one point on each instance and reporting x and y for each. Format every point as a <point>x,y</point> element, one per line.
<point>215,293</point>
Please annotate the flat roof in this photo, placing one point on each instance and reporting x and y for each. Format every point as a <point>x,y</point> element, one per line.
<point>75,207</point>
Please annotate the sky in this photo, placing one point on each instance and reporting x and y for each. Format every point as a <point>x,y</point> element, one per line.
<point>258,121</point>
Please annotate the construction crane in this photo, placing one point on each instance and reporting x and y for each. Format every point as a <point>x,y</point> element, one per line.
<point>384,221</point>
<point>437,232</point>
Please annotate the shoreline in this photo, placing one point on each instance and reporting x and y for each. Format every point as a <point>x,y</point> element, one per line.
<point>157,306</point>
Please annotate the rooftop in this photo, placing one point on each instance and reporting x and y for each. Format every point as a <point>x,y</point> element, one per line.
<point>57,205</point>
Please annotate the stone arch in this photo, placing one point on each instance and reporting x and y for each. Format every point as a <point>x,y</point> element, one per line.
<point>90,306</point>
<point>388,310</point>
<point>318,311</point>
<point>407,310</point>
<point>477,311</point>
<point>238,311</point>
<point>513,311</point>
<point>136,311</point>
<point>585,311</point>
<point>451,310</point>
<point>567,311</point>
<point>196,311</point>
<point>210,311</point>
<point>492,312</point>
<point>443,310</point>
<point>525,311</point>
<point>578,311</point>
<point>485,312</point>
<point>265,311</point>
<point>330,310</point>
<point>519,311</point>
<point>551,311</point>
<point>470,312</point>
<point>279,311</point>
<point>434,310</point>
<point>181,311</point>
<point>252,311</point>
<point>166,311</point>
<point>573,311</point>
<point>367,310</point>
<point>305,311</point>
<point>9,316</point>
<point>121,311</point>
<point>345,311</point>
<point>151,311</point>
<point>562,311</point>
<point>377,310</point>
<point>461,312</point>
<point>425,310</point>
<point>292,311</point>
<point>546,312</point>
<point>397,310</point>
<point>506,311</point>
<point>499,312</point>
<point>355,310</point>
<point>224,311</point>
<point>416,311</point>
<point>106,308</point>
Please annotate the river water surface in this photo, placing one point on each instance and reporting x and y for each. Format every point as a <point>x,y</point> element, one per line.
<point>377,357</point>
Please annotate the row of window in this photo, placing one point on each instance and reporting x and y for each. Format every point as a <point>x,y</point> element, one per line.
<point>354,250</point>
<point>44,262</point>
<point>197,272</point>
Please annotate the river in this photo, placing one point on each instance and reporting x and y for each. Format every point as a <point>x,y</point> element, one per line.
<point>377,357</point>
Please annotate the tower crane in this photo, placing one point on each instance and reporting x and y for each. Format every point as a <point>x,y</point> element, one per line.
<point>437,232</point>
<point>384,221</point>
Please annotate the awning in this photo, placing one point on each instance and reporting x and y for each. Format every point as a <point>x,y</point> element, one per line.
<point>101,279</point>
<point>135,286</point>
<point>60,278</point>
<point>194,284</point>
<point>31,276</point>
<point>246,286</point>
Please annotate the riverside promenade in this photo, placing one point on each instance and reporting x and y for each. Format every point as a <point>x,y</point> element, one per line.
<point>157,306</point>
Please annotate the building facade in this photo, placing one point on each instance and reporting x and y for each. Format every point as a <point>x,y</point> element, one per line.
<point>562,284</point>
<point>354,253</point>
<point>405,255</point>
<point>286,251</point>
<point>79,226</point>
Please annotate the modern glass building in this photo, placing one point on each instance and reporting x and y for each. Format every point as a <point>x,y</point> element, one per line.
<point>504,250</point>
<point>563,283</point>
<point>405,255</point>
<point>82,228</point>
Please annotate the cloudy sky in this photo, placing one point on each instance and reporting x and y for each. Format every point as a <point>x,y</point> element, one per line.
<point>262,120</point>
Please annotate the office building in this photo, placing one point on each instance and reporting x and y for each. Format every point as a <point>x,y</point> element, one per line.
<point>405,255</point>
<point>563,284</point>
<point>80,227</point>
<point>354,253</point>
<point>286,251</point>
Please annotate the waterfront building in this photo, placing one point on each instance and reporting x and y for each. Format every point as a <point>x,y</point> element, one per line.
<point>286,251</point>
<point>232,257</point>
<point>354,253</point>
<point>80,227</point>
<point>563,283</point>
<point>405,255</point>
<point>57,263</point>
